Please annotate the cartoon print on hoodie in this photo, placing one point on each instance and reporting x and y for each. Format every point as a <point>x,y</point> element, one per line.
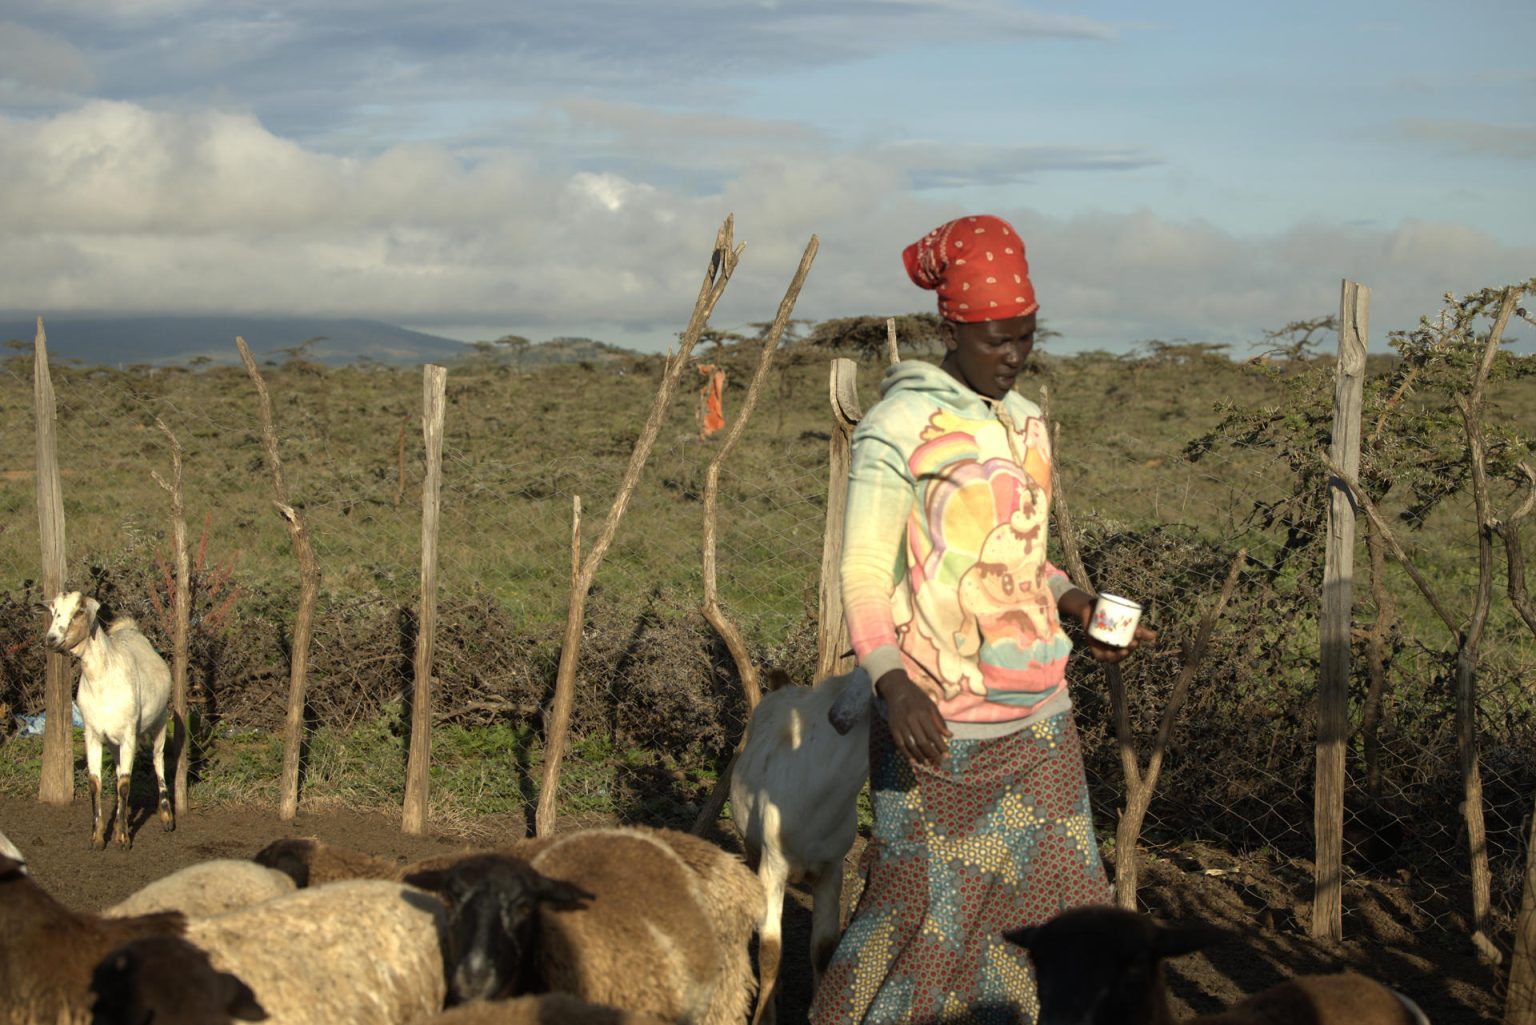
<point>968,603</point>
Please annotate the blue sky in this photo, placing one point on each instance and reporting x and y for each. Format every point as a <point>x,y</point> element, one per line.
<point>1195,171</point>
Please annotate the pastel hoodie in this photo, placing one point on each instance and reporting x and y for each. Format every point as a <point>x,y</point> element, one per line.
<point>944,565</point>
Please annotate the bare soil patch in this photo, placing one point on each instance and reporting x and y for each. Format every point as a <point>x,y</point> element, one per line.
<point>1386,939</point>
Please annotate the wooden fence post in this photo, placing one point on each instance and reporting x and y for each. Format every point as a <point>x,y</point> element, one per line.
<point>181,617</point>
<point>309,590</point>
<point>414,818</point>
<point>57,784</point>
<point>831,630</point>
<point>1334,619</point>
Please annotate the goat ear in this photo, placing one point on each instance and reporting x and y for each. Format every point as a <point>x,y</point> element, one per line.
<point>562,895</point>
<point>776,678</point>
<point>434,879</point>
<point>852,703</point>
<point>1173,940</point>
<point>1022,937</point>
<point>286,858</point>
<point>11,867</point>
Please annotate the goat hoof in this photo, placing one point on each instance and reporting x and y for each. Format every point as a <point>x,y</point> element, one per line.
<point>97,843</point>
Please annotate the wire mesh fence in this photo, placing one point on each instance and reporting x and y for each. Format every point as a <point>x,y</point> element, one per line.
<point>1156,519</point>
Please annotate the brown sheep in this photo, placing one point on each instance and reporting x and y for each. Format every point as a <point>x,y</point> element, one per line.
<point>167,981</point>
<point>650,939</point>
<point>47,951</point>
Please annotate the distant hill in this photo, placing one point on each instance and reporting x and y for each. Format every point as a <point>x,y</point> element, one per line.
<point>113,341</point>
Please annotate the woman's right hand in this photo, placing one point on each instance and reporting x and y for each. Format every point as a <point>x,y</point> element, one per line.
<point>916,725</point>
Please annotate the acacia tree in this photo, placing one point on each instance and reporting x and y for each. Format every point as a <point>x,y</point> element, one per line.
<point>1426,442</point>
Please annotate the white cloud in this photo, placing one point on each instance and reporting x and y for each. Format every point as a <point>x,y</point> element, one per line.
<point>115,207</point>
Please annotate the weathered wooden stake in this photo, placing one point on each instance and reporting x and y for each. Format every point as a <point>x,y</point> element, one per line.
<point>57,783</point>
<point>182,619</point>
<point>722,263</point>
<point>414,817</point>
<point>1334,620</point>
<point>309,590</point>
<point>831,630</point>
<point>751,691</point>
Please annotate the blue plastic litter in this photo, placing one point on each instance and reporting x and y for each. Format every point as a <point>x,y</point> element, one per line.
<point>32,725</point>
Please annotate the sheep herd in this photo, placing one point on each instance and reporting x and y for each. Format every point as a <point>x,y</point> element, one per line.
<point>602,926</point>
<point>614,925</point>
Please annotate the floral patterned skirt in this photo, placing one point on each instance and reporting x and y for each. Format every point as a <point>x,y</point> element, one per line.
<point>998,837</point>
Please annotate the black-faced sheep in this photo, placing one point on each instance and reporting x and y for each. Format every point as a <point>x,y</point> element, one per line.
<point>124,693</point>
<point>647,940</point>
<point>794,800</point>
<point>206,888</point>
<point>47,951</point>
<point>493,931</point>
<point>164,980</point>
<point>1102,965</point>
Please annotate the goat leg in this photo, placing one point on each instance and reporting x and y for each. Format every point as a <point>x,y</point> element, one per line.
<point>826,917</point>
<point>98,825</point>
<point>120,827</point>
<point>167,815</point>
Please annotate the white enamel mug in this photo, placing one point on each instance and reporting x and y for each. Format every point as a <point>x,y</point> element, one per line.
<point>1114,620</point>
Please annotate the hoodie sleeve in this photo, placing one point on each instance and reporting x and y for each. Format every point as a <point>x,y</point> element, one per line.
<point>874,546</point>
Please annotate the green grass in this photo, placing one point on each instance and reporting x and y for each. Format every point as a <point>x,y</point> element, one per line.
<point>519,446</point>
<point>475,773</point>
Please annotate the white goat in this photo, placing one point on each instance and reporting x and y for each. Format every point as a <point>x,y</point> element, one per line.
<point>125,691</point>
<point>794,800</point>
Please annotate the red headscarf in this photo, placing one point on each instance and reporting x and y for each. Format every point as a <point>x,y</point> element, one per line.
<point>977,266</point>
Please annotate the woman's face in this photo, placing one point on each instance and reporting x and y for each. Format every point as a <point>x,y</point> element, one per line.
<point>987,356</point>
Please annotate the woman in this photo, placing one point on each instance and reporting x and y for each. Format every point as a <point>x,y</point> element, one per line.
<point>981,808</point>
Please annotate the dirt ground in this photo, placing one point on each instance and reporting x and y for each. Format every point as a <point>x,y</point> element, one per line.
<point>1388,937</point>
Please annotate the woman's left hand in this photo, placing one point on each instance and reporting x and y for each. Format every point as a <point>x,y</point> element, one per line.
<point>1110,654</point>
<point>1078,604</point>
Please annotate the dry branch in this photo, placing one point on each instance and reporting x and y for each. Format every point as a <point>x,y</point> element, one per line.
<point>1079,574</point>
<point>1379,524</point>
<point>57,782</point>
<point>182,618</point>
<point>1138,797</point>
<point>1471,406</point>
<point>734,642</point>
<point>831,628</point>
<point>309,589</point>
<point>721,264</point>
<point>1139,786</point>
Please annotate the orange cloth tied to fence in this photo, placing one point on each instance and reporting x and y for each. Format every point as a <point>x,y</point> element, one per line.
<point>713,394</point>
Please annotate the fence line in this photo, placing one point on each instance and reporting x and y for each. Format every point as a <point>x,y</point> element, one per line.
<point>654,675</point>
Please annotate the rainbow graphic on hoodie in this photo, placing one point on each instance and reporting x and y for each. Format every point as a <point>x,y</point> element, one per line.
<point>944,547</point>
